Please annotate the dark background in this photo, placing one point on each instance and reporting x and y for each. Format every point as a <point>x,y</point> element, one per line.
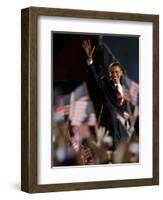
<point>69,59</point>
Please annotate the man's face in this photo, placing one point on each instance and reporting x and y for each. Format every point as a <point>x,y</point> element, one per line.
<point>115,73</point>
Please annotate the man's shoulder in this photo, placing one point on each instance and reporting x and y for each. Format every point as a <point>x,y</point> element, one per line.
<point>102,78</point>
<point>108,83</point>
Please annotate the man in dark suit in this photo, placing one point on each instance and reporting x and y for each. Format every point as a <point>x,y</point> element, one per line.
<point>114,109</point>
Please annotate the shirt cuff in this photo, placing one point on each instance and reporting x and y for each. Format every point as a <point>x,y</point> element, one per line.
<point>89,61</point>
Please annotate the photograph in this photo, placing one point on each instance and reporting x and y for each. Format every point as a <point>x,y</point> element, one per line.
<point>90,99</point>
<point>95,99</point>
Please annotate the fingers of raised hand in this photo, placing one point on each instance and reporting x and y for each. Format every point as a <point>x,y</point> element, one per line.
<point>87,44</point>
<point>100,131</point>
<point>93,50</point>
<point>87,47</point>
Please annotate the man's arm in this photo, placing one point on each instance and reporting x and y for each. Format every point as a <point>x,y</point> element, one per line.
<point>92,71</point>
<point>89,50</point>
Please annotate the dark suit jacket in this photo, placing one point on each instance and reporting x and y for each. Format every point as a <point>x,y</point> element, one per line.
<point>110,110</point>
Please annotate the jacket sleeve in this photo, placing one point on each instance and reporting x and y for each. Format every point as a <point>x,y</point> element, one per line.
<point>94,75</point>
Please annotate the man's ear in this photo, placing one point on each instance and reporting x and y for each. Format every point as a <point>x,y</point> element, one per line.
<point>121,72</point>
<point>109,73</point>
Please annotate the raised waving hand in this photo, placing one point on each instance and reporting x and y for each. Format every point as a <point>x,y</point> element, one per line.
<point>88,48</point>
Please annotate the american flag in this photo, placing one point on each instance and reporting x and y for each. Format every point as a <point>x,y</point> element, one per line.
<point>86,155</point>
<point>66,109</point>
<point>134,92</point>
<point>62,104</point>
<point>77,106</point>
<point>81,107</point>
<point>82,131</point>
<point>78,111</point>
<point>131,91</point>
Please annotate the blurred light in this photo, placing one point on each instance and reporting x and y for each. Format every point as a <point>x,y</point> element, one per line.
<point>134,148</point>
<point>108,140</point>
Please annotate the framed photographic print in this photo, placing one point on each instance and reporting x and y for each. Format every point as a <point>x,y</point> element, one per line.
<point>90,99</point>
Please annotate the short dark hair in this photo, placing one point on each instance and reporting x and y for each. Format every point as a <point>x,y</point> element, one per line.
<point>115,64</point>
